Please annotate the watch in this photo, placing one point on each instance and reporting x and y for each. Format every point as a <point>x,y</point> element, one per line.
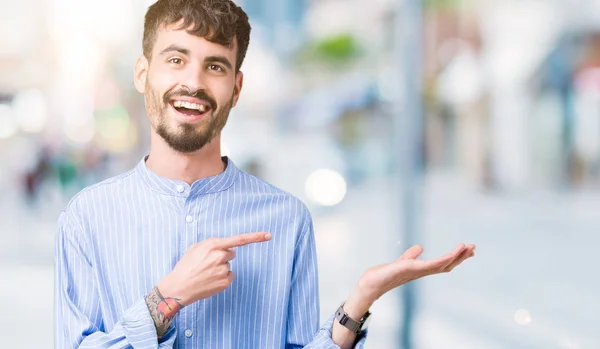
<point>355,326</point>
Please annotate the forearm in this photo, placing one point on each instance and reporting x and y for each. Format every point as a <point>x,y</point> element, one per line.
<point>162,310</point>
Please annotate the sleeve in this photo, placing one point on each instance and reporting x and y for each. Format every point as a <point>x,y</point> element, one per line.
<point>323,337</point>
<point>78,319</point>
<point>303,320</point>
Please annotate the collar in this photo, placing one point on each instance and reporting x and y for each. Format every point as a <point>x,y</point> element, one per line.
<point>202,186</point>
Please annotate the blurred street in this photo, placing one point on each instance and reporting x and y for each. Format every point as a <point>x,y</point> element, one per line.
<point>495,103</point>
<point>531,285</point>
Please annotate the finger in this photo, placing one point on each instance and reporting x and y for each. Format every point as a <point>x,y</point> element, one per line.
<point>223,269</point>
<point>412,253</point>
<point>455,255</point>
<point>230,255</point>
<point>243,239</point>
<point>220,256</point>
<point>445,260</point>
<point>439,264</point>
<point>470,250</point>
<point>467,253</point>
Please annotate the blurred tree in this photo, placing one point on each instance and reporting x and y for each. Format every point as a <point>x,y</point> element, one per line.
<point>338,48</point>
<point>334,52</point>
<point>445,3</point>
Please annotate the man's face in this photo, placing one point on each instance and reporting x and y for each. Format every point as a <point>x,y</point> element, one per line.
<point>190,86</point>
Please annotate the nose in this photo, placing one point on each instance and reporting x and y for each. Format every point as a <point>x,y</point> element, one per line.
<point>193,78</point>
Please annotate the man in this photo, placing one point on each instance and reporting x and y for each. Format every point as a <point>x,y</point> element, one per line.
<point>185,250</point>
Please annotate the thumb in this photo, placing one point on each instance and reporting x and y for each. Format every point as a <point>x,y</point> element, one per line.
<point>412,253</point>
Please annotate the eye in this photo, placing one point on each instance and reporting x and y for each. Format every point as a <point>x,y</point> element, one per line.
<point>176,61</point>
<point>215,67</point>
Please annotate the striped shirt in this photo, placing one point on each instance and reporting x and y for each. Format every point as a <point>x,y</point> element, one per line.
<point>117,239</point>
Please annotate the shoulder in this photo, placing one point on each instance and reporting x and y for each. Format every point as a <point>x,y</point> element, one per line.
<point>259,190</point>
<point>105,191</point>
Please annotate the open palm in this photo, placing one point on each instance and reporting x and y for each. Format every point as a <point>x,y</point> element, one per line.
<point>383,278</point>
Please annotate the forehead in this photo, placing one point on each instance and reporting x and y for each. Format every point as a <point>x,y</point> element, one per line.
<point>167,35</point>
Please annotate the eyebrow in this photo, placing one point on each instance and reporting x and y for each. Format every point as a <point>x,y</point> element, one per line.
<point>219,59</point>
<point>171,48</point>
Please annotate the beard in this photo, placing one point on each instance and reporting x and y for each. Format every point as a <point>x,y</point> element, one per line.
<point>186,137</point>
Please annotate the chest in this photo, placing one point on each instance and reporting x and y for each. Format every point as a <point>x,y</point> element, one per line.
<point>137,246</point>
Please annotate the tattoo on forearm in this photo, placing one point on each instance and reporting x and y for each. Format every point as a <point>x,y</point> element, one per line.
<point>162,310</point>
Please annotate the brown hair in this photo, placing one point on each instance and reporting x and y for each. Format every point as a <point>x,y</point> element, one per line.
<point>218,21</point>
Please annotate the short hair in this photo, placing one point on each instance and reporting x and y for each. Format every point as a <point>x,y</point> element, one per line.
<point>218,21</point>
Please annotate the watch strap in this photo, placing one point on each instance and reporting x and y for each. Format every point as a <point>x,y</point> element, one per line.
<point>345,320</point>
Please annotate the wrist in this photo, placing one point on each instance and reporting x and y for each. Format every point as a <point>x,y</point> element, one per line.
<point>358,303</point>
<point>169,289</point>
<point>162,310</point>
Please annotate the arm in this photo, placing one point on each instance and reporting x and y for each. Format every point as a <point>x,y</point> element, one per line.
<point>379,280</point>
<point>303,316</point>
<point>373,284</point>
<point>78,318</point>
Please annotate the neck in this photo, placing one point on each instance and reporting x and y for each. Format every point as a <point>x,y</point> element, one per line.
<point>187,167</point>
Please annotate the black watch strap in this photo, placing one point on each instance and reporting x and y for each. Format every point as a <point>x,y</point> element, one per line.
<point>348,322</point>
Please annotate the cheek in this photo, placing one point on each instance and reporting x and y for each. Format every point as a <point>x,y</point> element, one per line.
<point>224,93</point>
<point>161,82</point>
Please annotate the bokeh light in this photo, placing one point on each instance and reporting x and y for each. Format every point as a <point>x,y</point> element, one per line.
<point>8,124</point>
<point>522,317</point>
<point>326,187</point>
<point>30,108</point>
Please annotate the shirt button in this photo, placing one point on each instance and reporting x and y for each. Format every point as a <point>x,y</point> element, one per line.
<point>188,333</point>
<point>180,189</point>
<point>189,219</point>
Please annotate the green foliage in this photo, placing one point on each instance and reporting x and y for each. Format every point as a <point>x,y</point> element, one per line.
<point>337,49</point>
<point>442,3</point>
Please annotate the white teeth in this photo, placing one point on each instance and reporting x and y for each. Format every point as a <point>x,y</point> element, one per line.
<point>181,104</point>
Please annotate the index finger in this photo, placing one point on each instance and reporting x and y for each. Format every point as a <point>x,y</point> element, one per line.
<point>243,239</point>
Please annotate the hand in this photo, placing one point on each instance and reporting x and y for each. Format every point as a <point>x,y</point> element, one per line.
<point>378,280</point>
<point>203,271</point>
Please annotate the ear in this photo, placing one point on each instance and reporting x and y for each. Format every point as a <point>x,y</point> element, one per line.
<point>140,74</point>
<point>237,89</point>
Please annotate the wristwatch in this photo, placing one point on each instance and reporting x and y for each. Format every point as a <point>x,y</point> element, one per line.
<point>355,326</point>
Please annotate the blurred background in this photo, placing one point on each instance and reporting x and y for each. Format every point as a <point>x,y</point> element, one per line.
<point>397,122</point>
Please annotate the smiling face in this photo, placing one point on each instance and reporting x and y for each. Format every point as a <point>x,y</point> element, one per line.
<point>190,85</point>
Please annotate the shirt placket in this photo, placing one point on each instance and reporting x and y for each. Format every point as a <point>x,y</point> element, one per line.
<point>188,330</point>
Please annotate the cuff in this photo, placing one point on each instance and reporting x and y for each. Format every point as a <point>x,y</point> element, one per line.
<point>323,338</point>
<point>140,330</point>
<point>327,329</point>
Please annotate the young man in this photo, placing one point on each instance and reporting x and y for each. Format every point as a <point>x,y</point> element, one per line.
<point>185,250</point>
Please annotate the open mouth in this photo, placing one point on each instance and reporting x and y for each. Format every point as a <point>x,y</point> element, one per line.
<point>190,109</point>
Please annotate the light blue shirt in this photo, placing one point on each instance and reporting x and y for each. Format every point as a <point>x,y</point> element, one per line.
<point>117,239</point>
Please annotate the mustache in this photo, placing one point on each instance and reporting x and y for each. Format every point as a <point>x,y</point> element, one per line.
<point>184,92</point>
